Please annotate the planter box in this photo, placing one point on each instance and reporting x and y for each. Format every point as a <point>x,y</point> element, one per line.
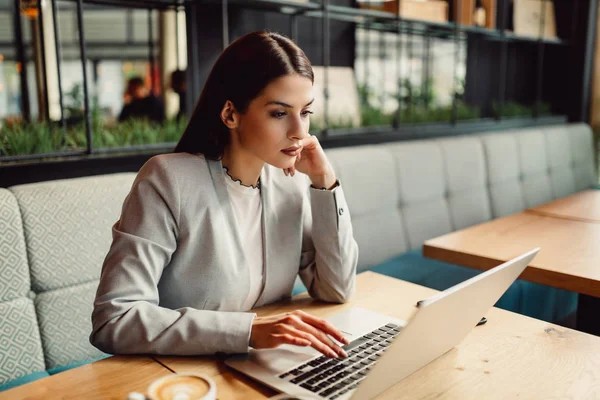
<point>430,10</point>
<point>527,18</point>
<point>424,10</point>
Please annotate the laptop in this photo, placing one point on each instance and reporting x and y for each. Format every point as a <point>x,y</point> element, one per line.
<point>382,350</point>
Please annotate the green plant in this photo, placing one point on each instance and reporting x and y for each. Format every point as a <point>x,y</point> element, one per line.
<point>332,123</point>
<point>40,138</point>
<point>30,139</point>
<point>373,116</point>
<point>514,109</point>
<point>417,105</point>
<point>74,101</point>
<point>370,114</point>
<point>409,96</point>
<point>440,113</point>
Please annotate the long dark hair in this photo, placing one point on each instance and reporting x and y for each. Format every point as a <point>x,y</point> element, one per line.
<point>240,74</point>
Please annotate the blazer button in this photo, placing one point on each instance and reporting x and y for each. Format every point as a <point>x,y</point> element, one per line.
<point>341,211</point>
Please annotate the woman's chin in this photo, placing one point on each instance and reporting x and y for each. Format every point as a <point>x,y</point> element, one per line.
<point>283,164</point>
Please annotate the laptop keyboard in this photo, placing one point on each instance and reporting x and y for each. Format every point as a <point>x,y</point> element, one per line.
<point>333,377</point>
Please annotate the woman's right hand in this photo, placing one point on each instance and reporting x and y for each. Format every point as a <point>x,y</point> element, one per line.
<point>297,328</point>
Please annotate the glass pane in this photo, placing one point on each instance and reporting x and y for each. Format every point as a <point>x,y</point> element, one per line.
<point>20,106</point>
<point>127,93</point>
<point>376,73</point>
<point>10,91</point>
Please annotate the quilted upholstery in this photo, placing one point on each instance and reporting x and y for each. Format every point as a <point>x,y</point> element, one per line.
<point>67,227</point>
<point>465,172</point>
<point>14,273</point>
<point>401,194</point>
<point>20,347</point>
<point>581,140</point>
<point>54,257</point>
<point>422,189</point>
<point>530,167</point>
<point>373,199</point>
<point>535,178</point>
<point>558,148</point>
<point>64,319</point>
<point>504,174</point>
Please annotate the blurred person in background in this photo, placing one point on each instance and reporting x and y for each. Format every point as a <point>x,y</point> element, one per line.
<point>140,103</point>
<point>179,86</point>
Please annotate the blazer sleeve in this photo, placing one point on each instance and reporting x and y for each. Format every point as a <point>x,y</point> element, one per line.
<point>329,251</point>
<point>127,318</point>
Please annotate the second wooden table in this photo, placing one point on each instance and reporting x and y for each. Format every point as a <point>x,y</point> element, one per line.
<point>582,206</point>
<point>569,257</point>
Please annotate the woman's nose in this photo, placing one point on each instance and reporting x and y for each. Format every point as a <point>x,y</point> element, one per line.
<point>298,130</point>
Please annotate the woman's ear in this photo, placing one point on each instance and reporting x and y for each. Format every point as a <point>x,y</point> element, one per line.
<point>229,115</point>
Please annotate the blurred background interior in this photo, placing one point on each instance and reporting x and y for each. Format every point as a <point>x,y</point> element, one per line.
<point>94,87</point>
<point>90,87</point>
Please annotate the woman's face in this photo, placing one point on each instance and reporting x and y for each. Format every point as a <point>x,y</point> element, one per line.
<point>277,120</point>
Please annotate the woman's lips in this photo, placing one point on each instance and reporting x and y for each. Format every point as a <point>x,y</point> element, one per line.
<point>292,151</point>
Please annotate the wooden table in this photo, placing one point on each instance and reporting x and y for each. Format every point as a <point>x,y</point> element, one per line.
<point>569,257</point>
<point>111,378</point>
<point>510,356</point>
<point>582,206</point>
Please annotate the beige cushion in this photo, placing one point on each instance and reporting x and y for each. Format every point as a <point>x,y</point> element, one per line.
<point>423,190</point>
<point>68,227</point>
<point>65,324</point>
<point>368,176</point>
<point>20,346</point>
<point>466,174</point>
<point>14,273</point>
<point>401,194</point>
<point>504,173</point>
<point>582,156</point>
<point>558,147</point>
<point>535,174</point>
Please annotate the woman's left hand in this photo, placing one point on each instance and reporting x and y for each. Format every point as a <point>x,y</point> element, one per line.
<point>313,162</point>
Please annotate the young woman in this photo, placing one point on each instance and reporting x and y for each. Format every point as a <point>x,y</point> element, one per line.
<point>246,203</point>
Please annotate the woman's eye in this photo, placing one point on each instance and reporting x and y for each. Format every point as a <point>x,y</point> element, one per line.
<point>306,113</point>
<point>279,114</point>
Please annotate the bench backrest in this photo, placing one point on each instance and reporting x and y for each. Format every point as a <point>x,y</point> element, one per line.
<point>401,194</point>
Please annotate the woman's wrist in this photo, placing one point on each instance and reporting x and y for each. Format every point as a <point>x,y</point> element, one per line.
<point>323,181</point>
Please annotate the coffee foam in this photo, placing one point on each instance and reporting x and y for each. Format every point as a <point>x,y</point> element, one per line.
<point>184,387</point>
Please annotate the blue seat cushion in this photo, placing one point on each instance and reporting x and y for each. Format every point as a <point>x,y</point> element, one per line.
<point>42,374</point>
<point>23,380</point>
<point>526,298</point>
<point>62,368</point>
<point>298,287</point>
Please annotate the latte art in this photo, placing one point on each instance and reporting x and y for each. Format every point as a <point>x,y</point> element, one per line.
<point>182,387</point>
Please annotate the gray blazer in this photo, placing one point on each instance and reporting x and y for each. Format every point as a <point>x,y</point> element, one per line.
<point>175,277</point>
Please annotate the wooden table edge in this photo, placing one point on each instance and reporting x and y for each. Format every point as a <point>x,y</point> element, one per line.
<point>533,274</point>
<point>7,394</point>
<point>559,216</point>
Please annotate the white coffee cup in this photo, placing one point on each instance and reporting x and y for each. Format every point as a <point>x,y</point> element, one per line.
<point>185,386</point>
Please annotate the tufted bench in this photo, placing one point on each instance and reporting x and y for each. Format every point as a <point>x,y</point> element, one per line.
<point>55,234</point>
